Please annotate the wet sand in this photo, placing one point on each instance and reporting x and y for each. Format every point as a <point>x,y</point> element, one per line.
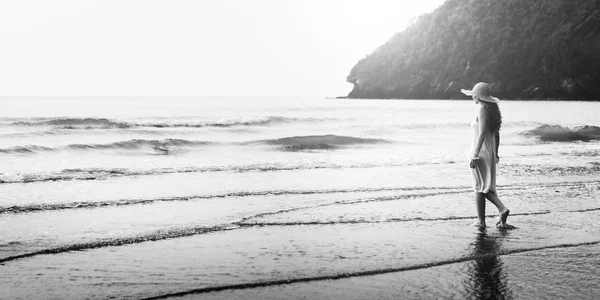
<point>553,273</point>
<point>396,244</point>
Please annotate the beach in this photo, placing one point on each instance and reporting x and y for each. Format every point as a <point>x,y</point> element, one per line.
<point>293,198</point>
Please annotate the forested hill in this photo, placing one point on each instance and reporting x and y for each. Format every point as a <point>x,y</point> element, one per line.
<point>526,49</point>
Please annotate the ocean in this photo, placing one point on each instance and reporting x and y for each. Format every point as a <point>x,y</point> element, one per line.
<point>268,198</point>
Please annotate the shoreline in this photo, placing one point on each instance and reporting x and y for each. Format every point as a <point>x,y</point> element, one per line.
<point>464,99</point>
<point>387,281</point>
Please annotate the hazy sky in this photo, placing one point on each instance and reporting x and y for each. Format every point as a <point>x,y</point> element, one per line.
<point>192,48</point>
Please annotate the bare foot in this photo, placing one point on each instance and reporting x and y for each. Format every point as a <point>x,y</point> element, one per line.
<point>505,226</point>
<point>503,216</point>
<point>479,224</point>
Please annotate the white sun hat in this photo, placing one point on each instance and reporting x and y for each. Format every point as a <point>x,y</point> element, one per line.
<point>482,91</point>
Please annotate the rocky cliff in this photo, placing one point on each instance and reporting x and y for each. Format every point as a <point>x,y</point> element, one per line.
<point>526,49</point>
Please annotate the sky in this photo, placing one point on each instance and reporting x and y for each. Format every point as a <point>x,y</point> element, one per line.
<point>192,47</point>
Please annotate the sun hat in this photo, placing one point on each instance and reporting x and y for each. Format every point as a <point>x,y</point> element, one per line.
<point>482,91</point>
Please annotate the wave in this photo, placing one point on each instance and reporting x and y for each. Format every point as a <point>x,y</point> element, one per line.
<point>589,153</point>
<point>106,173</point>
<point>26,149</point>
<point>87,131</point>
<point>260,121</point>
<point>153,236</point>
<point>318,142</point>
<point>103,123</point>
<point>550,170</point>
<point>184,231</point>
<point>73,123</point>
<point>32,133</point>
<point>96,204</point>
<point>174,233</point>
<point>140,143</point>
<point>432,191</point>
<point>558,133</point>
<point>391,220</point>
<point>584,153</point>
<point>243,223</point>
<point>591,131</point>
<point>159,146</point>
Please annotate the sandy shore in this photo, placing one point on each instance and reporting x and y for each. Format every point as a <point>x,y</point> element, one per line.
<point>410,246</point>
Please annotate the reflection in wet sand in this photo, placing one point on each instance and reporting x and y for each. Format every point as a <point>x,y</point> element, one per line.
<point>486,278</point>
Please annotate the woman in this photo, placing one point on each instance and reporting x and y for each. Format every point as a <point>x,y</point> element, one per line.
<point>484,152</point>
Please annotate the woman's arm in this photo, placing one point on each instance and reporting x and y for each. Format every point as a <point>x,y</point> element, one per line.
<point>482,131</point>
<point>483,119</point>
<point>497,146</point>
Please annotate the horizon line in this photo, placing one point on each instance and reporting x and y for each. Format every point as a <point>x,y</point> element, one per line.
<point>163,96</point>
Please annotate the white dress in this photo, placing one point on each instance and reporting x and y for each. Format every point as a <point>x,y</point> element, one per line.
<point>484,173</point>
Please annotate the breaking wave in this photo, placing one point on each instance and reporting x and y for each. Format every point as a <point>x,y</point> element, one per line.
<point>27,149</point>
<point>139,143</point>
<point>74,123</point>
<point>318,142</point>
<point>261,121</point>
<point>160,146</point>
<point>557,133</point>
<point>103,123</point>
<point>298,143</point>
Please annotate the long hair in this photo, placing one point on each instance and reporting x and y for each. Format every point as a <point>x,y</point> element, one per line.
<point>495,120</point>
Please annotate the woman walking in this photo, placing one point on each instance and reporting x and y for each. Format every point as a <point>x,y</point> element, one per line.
<point>484,152</point>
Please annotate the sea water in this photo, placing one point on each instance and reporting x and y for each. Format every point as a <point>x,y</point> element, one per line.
<point>171,195</point>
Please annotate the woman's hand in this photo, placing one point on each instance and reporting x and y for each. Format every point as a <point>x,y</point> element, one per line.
<point>497,159</point>
<point>473,162</point>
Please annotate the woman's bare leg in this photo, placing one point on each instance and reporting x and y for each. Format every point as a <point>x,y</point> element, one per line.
<point>480,206</point>
<point>501,208</point>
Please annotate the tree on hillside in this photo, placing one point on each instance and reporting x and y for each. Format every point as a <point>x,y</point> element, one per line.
<point>526,49</point>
